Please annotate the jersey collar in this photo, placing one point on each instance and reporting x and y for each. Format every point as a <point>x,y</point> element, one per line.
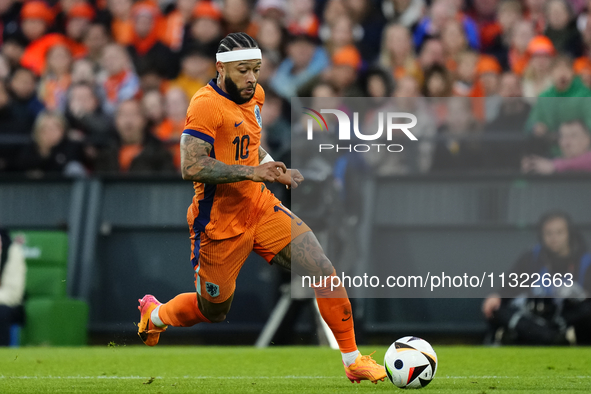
<point>215,86</point>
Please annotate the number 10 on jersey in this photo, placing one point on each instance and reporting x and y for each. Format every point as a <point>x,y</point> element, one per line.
<point>241,146</point>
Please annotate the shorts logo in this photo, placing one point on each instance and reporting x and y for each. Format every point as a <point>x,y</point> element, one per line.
<point>257,114</point>
<point>212,289</point>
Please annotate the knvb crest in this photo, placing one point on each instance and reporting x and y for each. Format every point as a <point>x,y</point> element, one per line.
<point>212,289</point>
<point>257,114</point>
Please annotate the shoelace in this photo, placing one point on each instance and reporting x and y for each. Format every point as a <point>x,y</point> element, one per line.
<point>368,358</point>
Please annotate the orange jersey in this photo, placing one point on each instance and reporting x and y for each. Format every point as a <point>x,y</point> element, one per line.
<point>222,211</point>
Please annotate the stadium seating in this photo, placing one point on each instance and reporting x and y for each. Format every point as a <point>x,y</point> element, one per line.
<point>51,317</point>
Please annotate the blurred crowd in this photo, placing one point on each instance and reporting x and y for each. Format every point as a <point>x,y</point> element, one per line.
<point>90,87</point>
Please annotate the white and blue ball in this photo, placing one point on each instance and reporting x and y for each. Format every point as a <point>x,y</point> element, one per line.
<point>410,362</point>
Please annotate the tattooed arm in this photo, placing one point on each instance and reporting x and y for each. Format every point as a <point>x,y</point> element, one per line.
<point>292,177</point>
<point>197,166</point>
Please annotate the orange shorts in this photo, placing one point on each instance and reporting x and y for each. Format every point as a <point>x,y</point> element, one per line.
<point>218,262</point>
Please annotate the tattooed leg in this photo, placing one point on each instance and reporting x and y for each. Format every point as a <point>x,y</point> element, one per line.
<point>304,256</point>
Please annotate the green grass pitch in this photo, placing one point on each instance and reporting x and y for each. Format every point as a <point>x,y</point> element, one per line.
<point>236,370</point>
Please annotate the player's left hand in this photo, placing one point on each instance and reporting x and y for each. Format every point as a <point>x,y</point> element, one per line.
<point>291,179</point>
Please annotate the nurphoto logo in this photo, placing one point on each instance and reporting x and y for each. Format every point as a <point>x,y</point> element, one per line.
<point>344,132</point>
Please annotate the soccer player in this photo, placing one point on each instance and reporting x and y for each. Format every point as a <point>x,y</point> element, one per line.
<point>233,213</point>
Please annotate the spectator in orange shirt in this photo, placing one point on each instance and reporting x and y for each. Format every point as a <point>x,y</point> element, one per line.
<point>486,100</point>
<point>120,82</point>
<point>170,130</point>
<point>56,78</point>
<point>509,13</point>
<point>147,52</point>
<point>196,71</point>
<point>302,19</point>
<point>79,18</point>
<point>465,74</point>
<point>61,8</point>
<point>518,55</point>
<point>206,28</point>
<point>582,68</point>
<point>397,54</point>
<point>343,74</point>
<point>121,22</point>
<point>36,19</point>
<point>488,71</point>
<point>176,24</point>
<point>485,15</point>
<point>137,151</point>
<point>537,74</point>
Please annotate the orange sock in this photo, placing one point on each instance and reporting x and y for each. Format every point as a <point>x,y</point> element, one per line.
<point>335,309</point>
<point>182,311</point>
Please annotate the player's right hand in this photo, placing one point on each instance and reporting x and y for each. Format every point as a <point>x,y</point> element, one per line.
<point>269,172</point>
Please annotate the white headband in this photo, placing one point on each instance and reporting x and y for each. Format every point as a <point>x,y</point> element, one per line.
<point>242,54</point>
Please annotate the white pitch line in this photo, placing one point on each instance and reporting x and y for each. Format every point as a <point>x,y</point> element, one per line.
<point>255,377</point>
<point>168,377</point>
<point>508,377</point>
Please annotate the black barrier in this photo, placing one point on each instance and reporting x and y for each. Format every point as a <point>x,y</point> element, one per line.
<point>129,237</point>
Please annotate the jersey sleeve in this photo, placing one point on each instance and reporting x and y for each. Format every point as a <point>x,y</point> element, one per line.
<point>203,119</point>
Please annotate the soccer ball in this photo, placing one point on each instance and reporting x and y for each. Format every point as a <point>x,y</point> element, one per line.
<point>410,363</point>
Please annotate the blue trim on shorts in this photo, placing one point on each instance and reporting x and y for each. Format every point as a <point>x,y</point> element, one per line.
<point>205,204</point>
<point>197,248</point>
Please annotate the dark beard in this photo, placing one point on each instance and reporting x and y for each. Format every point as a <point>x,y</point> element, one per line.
<point>234,93</point>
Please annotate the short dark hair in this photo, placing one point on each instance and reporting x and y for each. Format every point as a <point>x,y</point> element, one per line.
<point>196,50</point>
<point>19,69</point>
<point>236,40</point>
<point>384,75</point>
<point>83,84</point>
<point>552,215</point>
